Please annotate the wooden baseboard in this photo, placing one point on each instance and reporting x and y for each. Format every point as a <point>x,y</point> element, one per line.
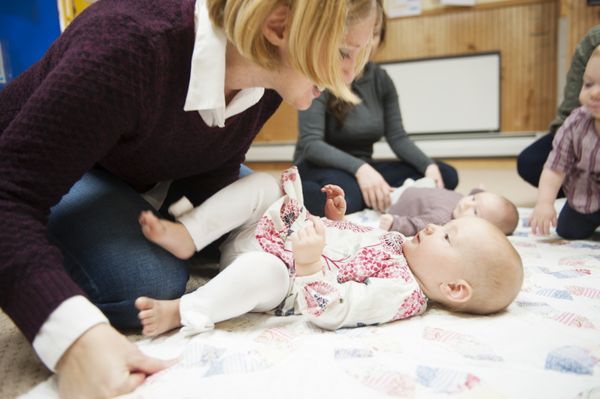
<point>458,163</point>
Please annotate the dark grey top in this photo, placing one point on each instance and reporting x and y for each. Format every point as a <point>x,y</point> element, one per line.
<point>324,142</point>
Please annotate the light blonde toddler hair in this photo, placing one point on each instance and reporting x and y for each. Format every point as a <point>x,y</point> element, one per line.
<point>316,32</point>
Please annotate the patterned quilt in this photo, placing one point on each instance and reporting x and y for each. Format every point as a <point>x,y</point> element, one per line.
<point>545,345</point>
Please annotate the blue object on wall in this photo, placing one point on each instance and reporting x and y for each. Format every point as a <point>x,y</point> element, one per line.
<point>27,28</point>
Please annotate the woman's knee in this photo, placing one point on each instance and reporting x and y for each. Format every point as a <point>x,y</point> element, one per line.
<point>116,297</point>
<point>167,279</point>
<point>529,166</point>
<point>530,162</point>
<point>449,175</point>
<point>160,276</point>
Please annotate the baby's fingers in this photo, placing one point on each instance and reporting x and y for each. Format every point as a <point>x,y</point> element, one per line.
<point>319,227</point>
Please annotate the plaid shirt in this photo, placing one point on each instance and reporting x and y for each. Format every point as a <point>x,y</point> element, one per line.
<point>575,152</point>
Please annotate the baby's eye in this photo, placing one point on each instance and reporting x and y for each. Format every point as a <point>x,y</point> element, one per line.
<point>587,85</point>
<point>447,237</point>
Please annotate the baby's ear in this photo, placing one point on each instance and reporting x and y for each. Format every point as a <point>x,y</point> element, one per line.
<point>458,291</point>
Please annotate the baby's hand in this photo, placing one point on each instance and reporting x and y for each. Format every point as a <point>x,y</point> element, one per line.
<point>542,218</point>
<point>307,247</point>
<point>385,221</point>
<point>335,204</point>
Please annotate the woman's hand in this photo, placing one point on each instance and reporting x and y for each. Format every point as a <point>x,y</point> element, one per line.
<point>374,188</point>
<point>307,247</point>
<point>335,203</point>
<point>102,363</point>
<point>542,218</point>
<point>433,172</point>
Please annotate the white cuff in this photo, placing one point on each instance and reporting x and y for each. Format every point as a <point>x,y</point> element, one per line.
<point>180,207</point>
<point>193,320</point>
<point>65,324</point>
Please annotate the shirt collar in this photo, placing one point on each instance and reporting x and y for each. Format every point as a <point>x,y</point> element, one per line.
<point>206,89</point>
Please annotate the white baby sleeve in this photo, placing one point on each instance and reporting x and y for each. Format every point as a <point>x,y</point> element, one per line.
<point>332,305</point>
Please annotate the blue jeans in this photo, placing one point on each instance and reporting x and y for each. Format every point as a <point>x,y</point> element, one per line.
<point>574,225</point>
<point>95,226</point>
<point>394,172</point>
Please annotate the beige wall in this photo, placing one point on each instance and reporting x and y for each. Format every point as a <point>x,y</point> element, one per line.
<point>524,31</point>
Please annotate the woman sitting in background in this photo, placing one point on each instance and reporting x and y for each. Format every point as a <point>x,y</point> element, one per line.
<point>336,144</point>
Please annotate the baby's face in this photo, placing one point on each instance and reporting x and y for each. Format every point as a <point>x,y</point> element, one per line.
<point>484,205</point>
<point>434,254</point>
<point>590,90</point>
<point>443,258</point>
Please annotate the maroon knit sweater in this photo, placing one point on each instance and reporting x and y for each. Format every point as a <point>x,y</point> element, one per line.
<point>109,92</point>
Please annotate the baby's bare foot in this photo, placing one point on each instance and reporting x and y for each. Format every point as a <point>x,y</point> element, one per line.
<point>158,316</point>
<point>385,221</point>
<point>173,237</point>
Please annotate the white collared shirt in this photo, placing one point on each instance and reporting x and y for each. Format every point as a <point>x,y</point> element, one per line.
<point>206,90</point>
<point>206,94</point>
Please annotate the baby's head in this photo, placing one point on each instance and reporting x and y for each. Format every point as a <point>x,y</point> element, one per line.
<point>494,208</point>
<point>589,96</point>
<point>467,265</point>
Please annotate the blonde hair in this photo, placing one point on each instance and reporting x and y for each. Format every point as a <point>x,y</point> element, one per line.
<point>494,271</point>
<point>340,107</point>
<point>316,32</point>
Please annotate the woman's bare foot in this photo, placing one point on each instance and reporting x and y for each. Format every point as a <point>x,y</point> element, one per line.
<point>385,221</point>
<point>158,316</point>
<point>171,236</point>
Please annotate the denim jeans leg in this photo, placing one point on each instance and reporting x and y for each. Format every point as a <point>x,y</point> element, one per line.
<point>96,227</point>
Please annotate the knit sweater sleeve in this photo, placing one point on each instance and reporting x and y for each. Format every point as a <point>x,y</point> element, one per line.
<point>63,116</point>
<point>396,136</point>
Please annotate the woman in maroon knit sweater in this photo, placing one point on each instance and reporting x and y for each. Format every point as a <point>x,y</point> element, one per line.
<point>138,103</point>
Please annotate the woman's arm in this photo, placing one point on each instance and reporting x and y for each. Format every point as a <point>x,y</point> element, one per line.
<point>312,143</point>
<point>58,124</point>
